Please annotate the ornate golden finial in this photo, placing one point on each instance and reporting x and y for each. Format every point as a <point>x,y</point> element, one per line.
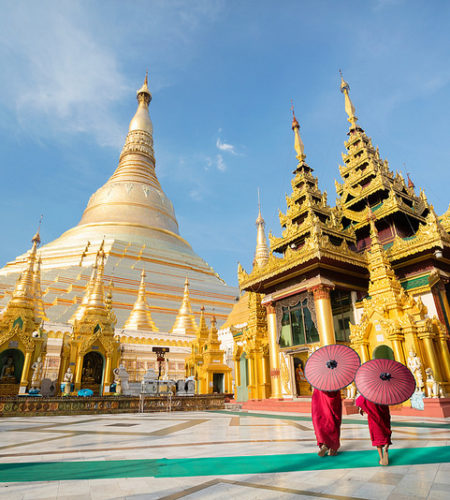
<point>144,90</point>
<point>140,317</point>
<point>97,297</point>
<point>37,292</point>
<point>185,322</point>
<point>203,331</point>
<point>79,313</point>
<point>298,144</point>
<point>141,120</point>
<point>349,108</point>
<point>262,250</point>
<point>411,184</point>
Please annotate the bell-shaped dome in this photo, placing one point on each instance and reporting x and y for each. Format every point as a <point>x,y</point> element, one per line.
<point>132,205</point>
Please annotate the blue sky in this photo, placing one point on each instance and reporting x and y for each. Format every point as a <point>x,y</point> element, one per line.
<point>222,75</point>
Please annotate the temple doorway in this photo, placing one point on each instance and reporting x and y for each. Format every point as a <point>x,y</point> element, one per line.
<point>218,383</point>
<point>11,365</point>
<point>92,374</point>
<point>302,387</point>
<point>242,389</point>
<point>383,352</point>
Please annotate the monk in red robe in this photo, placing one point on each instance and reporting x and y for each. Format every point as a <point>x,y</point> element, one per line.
<point>326,409</point>
<point>379,419</point>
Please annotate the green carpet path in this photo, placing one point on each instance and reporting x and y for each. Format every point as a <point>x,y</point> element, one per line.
<point>428,425</point>
<point>214,466</point>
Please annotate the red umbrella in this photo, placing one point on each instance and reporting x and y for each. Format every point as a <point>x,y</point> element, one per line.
<point>385,381</point>
<point>332,367</point>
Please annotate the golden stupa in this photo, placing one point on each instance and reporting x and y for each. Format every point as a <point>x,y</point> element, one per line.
<point>134,221</point>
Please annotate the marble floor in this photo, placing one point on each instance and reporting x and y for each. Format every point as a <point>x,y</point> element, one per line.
<point>216,455</point>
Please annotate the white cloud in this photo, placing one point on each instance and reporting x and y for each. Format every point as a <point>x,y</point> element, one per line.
<point>66,61</point>
<point>221,165</point>
<point>223,146</point>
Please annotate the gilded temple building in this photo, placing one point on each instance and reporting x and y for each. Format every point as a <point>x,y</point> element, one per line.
<point>112,287</point>
<point>207,360</point>
<point>371,272</point>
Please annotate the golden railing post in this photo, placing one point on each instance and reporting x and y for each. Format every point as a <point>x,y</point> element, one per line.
<point>274,351</point>
<point>324,314</point>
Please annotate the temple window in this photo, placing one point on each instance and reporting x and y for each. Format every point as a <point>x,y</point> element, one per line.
<point>297,327</point>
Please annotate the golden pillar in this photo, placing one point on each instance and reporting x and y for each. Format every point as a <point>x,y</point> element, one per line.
<point>397,345</point>
<point>259,375</point>
<point>228,382</point>
<point>107,377</point>
<point>363,348</point>
<point>25,372</point>
<point>445,355</point>
<point>428,343</point>
<point>324,314</point>
<point>237,375</point>
<point>274,351</point>
<point>265,378</point>
<point>444,301</point>
<point>252,393</point>
<point>78,372</point>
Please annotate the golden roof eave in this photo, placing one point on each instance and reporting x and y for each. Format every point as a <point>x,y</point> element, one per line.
<point>295,258</point>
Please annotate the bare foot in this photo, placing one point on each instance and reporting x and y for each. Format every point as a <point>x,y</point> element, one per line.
<point>332,453</point>
<point>385,460</point>
<point>323,451</point>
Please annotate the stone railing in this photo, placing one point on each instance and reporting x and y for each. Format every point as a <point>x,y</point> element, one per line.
<point>38,406</point>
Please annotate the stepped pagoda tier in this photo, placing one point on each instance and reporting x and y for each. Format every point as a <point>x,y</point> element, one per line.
<point>134,222</point>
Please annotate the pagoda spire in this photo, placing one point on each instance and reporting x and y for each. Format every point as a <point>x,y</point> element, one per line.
<point>202,332</point>
<point>298,143</point>
<point>141,120</point>
<point>23,295</point>
<point>140,317</point>
<point>262,250</point>
<point>185,321</point>
<point>37,291</point>
<point>81,310</point>
<point>97,296</point>
<point>349,108</point>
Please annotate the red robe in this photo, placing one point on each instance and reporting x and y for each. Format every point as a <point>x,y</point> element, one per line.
<point>326,409</point>
<point>379,419</point>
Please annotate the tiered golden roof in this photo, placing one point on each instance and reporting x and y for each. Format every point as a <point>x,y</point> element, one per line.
<point>185,321</point>
<point>140,317</point>
<point>311,228</point>
<point>368,181</point>
<point>308,212</point>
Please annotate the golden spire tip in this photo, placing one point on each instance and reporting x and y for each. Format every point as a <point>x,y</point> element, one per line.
<point>295,123</point>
